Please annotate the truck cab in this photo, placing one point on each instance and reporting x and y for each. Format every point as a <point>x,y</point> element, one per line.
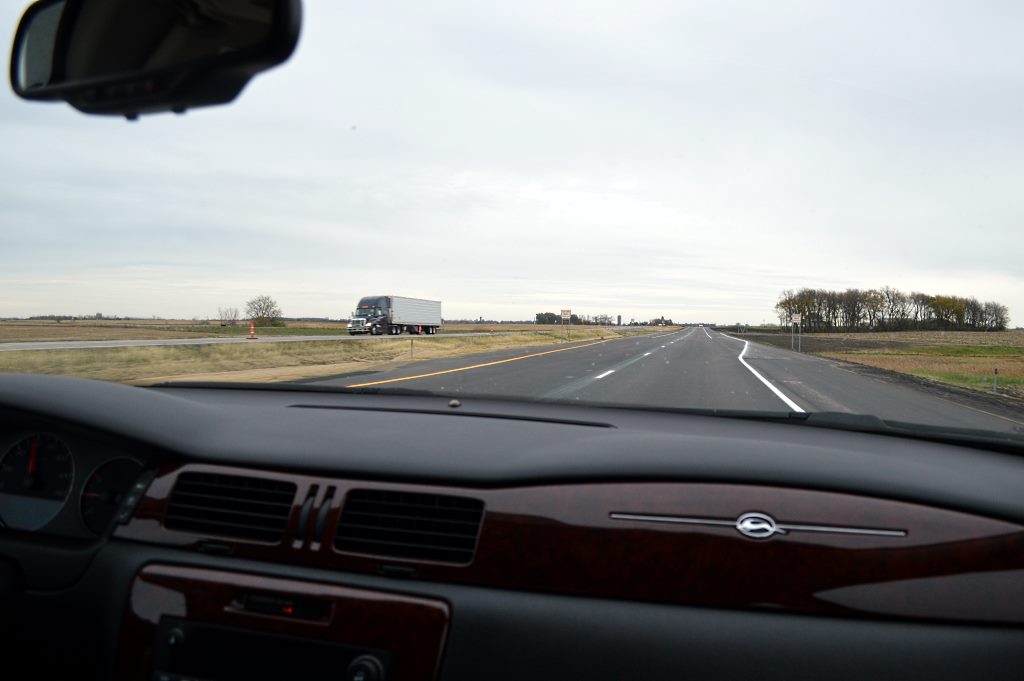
<point>370,316</point>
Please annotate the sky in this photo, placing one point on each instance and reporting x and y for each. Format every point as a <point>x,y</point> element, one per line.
<point>641,159</point>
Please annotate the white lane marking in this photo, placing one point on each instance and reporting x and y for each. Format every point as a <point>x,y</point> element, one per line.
<point>662,346</point>
<point>585,381</point>
<point>705,332</point>
<point>666,334</point>
<point>778,393</point>
<point>647,354</point>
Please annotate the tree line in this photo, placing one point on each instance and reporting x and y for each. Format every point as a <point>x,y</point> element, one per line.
<point>575,319</point>
<point>888,309</point>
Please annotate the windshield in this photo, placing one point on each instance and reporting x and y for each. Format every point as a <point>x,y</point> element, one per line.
<point>798,208</point>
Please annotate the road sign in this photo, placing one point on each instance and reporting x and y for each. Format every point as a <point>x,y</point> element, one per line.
<point>795,318</point>
<point>566,315</point>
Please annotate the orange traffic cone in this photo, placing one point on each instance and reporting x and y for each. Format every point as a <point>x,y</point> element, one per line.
<point>252,330</point>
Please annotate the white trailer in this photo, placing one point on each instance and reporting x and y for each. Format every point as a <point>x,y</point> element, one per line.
<point>415,312</point>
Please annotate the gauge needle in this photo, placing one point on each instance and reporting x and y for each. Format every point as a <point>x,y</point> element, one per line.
<point>33,454</point>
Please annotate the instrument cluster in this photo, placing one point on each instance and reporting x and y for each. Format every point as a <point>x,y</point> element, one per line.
<point>62,482</point>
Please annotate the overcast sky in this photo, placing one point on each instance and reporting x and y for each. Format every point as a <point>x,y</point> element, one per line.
<point>635,158</point>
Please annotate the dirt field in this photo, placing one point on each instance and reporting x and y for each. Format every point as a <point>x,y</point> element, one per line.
<point>268,362</point>
<point>15,331</point>
<point>969,360</point>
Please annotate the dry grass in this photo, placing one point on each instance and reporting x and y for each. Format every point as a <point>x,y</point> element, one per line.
<point>102,329</point>
<point>264,362</point>
<point>471,328</point>
<point>969,366</point>
<point>147,329</point>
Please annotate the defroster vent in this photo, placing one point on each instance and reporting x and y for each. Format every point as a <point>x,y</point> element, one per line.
<point>409,525</point>
<point>230,506</point>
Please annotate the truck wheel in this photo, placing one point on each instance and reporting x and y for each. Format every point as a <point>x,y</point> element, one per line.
<point>396,330</point>
<point>376,331</point>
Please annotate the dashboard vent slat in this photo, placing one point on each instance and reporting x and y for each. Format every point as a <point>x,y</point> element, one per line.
<point>235,506</point>
<point>409,525</point>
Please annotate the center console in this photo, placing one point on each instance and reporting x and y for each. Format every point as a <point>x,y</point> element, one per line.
<point>190,624</point>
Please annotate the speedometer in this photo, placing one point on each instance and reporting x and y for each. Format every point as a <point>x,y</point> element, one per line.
<point>104,491</point>
<point>35,479</point>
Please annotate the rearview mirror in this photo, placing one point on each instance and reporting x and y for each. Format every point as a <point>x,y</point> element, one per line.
<point>129,57</point>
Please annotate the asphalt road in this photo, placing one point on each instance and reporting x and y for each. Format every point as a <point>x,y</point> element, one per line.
<point>695,367</point>
<point>85,345</point>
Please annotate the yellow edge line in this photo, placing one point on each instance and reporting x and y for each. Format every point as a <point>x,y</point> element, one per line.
<point>477,366</point>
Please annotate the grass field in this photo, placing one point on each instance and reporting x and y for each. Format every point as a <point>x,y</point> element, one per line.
<point>959,358</point>
<point>144,329</point>
<point>275,361</point>
<point>951,365</point>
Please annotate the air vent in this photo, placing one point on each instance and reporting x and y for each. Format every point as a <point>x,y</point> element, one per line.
<point>409,525</point>
<point>230,506</point>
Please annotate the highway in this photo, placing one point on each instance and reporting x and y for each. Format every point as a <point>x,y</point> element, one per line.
<point>692,368</point>
<point>17,346</point>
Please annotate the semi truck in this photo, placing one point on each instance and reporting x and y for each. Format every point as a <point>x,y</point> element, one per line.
<point>394,315</point>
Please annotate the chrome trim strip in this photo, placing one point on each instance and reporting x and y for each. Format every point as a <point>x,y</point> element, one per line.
<point>828,529</point>
<point>845,530</point>
<point>671,519</point>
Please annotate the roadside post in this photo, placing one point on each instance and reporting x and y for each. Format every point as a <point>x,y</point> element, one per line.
<point>795,320</point>
<point>567,318</point>
<point>995,382</point>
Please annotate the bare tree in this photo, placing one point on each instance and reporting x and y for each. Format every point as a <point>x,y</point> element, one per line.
<point>897,307</point>
<point>851,308</point>
<point>873,303</point>
<point>228,316</point>
<point>921,306</point>
<point>786,306</point>
<point>997,316</point>
<point>974,313</point>
<point>263,310</point>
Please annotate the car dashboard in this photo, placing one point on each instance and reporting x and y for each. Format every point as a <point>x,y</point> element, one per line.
<point>228,533</point>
